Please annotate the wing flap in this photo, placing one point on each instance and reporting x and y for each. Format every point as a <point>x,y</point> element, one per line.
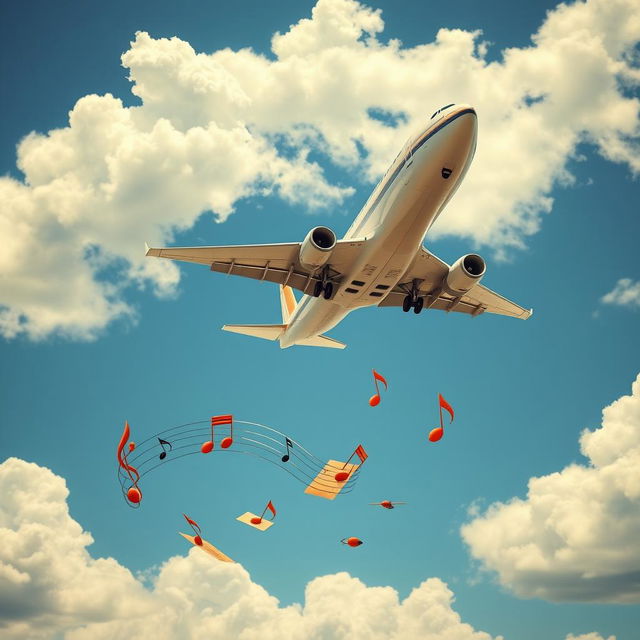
<point>272,262</point>
<point>430,272</point>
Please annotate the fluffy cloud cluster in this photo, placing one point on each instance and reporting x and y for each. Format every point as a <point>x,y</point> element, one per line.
<point>626,293</point>
<point>214,128</point>
<point>589,636</point>
<point>576,535</point>
<point>51,587</point>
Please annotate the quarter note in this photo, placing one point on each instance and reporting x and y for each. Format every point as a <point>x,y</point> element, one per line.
<point>374,401</point>
<point>285,457</point>
<point>163,444</point>
<point>226,442</point>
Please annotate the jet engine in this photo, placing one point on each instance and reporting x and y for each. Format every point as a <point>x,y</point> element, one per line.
<point>316,248</point>
<point>465,273</point>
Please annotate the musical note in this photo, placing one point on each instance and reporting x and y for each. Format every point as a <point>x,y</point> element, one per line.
<point>341,476</point>
<point>374,401</point>
<point>196,529</point>
<point>133,494</point>
<point>285,457</point>
<point>164,443</point>
<point>438,432</point>
<point>271,508</point>
<point>226,442</point>
<point>352,542</point>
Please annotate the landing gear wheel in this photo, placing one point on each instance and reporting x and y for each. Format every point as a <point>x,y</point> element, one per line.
<point>317,289</point>
<point>406,304</point>
<point>328,290</point>
<point>417,305</point>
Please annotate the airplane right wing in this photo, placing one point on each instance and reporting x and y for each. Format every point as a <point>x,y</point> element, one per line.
<point>273,262</point>
<point>430,271</point>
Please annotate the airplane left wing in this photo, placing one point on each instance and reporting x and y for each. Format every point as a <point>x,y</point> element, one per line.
<point>431,272</point>
<point>273,262</point>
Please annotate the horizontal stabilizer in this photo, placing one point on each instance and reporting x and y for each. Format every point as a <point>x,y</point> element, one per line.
<point>266,331</point>
<point>322,341</point>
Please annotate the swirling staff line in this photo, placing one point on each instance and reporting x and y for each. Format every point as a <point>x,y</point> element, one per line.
<point>151,451</point>
<point>147,455</point>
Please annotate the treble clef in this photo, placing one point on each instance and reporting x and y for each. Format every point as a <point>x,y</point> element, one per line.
<point>134,494</point>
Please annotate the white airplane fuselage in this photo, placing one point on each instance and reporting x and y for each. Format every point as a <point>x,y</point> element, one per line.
<point>395,220</point>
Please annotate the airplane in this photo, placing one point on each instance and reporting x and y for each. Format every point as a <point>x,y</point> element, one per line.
<point>381,259</point>
<point>386,504</point>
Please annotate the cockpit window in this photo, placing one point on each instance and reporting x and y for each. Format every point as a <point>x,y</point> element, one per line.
<point>441,109</point>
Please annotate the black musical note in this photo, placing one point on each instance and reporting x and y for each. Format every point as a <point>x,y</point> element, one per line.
<point>162,442</point>
<point>285,457</point>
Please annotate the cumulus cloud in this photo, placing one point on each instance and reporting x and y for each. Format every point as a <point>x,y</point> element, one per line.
<point>575,536</point>
<point>626,293</point>
<point>214,128</point>
<point>51,587</point>
<point>589,636</point>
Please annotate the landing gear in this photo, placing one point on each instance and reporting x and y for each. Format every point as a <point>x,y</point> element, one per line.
<point>323,286</point>
<point>413,300</point>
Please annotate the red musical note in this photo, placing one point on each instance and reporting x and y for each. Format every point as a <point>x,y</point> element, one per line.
<point>374,401</point>
<point>270,507</point>
<point>196,529</point>
<point>133,494</point>
<point>352,542</point>
<point>341,476</point>
<point>226,442</point>
<point>438,432</point>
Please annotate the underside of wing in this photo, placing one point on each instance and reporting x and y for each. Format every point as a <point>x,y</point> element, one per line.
<point>277,263</point>
<point>429,274</point>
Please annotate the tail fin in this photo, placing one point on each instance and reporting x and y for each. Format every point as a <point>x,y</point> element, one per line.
<point>287,302</point>
<point>266,331</point>
<point>322,341</point>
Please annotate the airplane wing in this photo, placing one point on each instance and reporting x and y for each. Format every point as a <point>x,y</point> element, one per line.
<point>273,262</point>
<point>431,271</point>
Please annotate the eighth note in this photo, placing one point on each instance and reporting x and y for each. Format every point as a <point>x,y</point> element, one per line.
<point>374,401</point>
<point>285,457</point>
<point>164,443</point>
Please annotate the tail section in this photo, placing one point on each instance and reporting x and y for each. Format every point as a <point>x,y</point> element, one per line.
<point>265,331</point>
<point>287,302</point>
<point>274,331</point>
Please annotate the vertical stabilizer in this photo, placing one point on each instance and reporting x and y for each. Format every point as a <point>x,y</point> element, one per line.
<point>287,302</point>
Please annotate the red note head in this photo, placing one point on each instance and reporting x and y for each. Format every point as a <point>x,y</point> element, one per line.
<point>132,446</point>
<point>386,504</point>
<point>226,442</point>
<point>134,495</point>
<point>374,401</point>
<point>436,434</point>
<point>198,540</point>
<point>207,447</point>
<point>341,476</point>
<point>354,542</point>
<point>256,520</point>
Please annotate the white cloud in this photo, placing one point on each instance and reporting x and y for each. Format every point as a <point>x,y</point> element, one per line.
<point>626,293</point>
<point>589,636</point>
<point>212,127</point>
<point>51,587</point>
<point>575,536</point>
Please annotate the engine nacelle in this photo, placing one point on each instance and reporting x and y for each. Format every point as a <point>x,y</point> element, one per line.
<point>316,248</point>
<point>465,273</point>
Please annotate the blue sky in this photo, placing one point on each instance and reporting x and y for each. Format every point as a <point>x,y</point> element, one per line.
<point>91,337</point>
